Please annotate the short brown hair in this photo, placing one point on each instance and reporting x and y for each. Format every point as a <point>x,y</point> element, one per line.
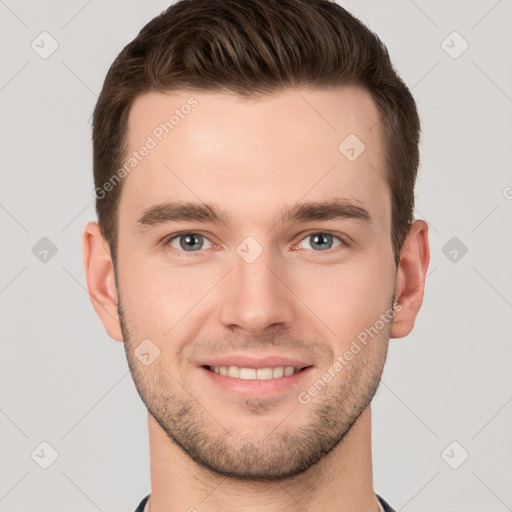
<point>253,47</point>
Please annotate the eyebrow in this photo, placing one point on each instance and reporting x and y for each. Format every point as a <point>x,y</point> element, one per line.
<point>332,209</point>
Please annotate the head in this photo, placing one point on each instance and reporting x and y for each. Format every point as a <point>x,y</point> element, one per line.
<point>254,165</point>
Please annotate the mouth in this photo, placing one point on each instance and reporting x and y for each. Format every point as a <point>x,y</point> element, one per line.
<point>266,373</point>
<point>246,375</point>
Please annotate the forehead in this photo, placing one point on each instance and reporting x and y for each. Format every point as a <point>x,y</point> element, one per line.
<point>250,156</point>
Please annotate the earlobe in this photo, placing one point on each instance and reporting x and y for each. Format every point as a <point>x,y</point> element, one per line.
<point>99,272</point>
<point>410,280</point>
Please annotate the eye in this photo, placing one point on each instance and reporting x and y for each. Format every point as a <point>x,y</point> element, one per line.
<point>188,242</point>
<point>322,241</point>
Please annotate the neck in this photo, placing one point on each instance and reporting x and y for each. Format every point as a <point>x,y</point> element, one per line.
<point>342,480</point>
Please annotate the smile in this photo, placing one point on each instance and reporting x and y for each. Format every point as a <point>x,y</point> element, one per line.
<point>238,372</point>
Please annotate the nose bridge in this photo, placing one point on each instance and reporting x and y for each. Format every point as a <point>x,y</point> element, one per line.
<point>255,297</point>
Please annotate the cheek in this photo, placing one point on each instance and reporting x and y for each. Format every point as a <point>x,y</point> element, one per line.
<point>157,296</point>
<point>347,298</point>
<point>341,299</point>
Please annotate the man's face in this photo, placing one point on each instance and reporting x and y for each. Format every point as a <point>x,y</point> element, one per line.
<point>260,292</point>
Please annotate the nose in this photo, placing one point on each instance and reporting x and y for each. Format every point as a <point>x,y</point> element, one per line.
<point>255,297</point>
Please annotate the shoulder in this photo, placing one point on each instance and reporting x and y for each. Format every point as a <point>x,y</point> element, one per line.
<point>385,505</point>
<point>142,504</point>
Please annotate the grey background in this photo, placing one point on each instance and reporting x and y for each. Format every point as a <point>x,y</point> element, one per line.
<point>66,383</point>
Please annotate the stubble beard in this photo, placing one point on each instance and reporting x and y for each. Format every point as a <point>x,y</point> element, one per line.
<point>204,435</point>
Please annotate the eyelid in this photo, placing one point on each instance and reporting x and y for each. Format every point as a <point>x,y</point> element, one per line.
<point>343,239</point>
<point>169,238</point>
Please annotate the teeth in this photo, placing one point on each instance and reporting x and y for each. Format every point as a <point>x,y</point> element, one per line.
<point>255,373</point>
<point>247,373</point>
<point>264,373</point>
<point>234,371</point>
<point>278,372</point>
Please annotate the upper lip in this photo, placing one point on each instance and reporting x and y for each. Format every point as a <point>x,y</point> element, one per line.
<point>248,361</point>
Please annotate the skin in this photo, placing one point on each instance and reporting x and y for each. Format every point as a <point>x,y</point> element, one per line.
<point>209,446</point>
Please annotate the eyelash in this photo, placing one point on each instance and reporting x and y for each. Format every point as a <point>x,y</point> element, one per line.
<point>166,242</point>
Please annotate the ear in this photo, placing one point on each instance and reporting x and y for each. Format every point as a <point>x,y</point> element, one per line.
<point>410,279</point>
<point>99,272</point>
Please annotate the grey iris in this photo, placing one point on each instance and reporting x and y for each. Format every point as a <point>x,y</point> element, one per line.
<point>321,241</point>
<point>187,241</point>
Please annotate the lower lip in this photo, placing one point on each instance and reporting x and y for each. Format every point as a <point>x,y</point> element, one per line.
<point>255,387</point>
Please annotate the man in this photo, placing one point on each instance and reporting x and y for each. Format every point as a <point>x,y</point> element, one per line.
<point>254,165</point>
